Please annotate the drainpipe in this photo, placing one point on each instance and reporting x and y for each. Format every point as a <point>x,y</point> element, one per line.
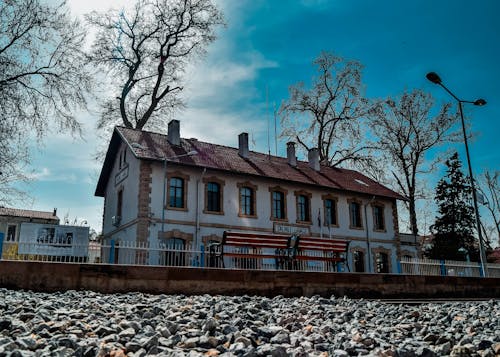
<point>368,236</point>
<point>197,235</point>
<point>163,203</point>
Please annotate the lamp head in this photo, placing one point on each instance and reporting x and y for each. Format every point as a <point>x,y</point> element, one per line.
<point>433,77</point>
<point>480,102</point>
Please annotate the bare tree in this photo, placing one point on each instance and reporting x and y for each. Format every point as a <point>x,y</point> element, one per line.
<point>14,158</point>
<point>327,116</point>
<point>44,77</point>
<point>43,73</point>
<point>145,51</point>
<point>489,187</point>
<point>406,131</point>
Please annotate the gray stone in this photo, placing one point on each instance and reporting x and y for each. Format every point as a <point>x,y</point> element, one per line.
<point>281,338</point>
<point>190,342</point>
<point>210,325</point>
<point>443,349</point>
<point>27,343</point>
<point>127,333</point>
<point>246,341</point>
<point>133,346</point>
<point>5,324</point>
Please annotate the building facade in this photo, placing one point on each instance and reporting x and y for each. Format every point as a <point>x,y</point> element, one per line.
<point>10,224</point>
<point>187,193</point>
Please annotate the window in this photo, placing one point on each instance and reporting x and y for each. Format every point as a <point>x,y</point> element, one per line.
<point>278,205</point>
<point>355,214</point>
<point>176,193</point>
<point>359,261</point>
<point>247,200</point>
<point>303,209</point>
<point>330,212</point>
<point>382,263</point>
<point>123,159</point>
<point>119,203</point>
<point>213,197</point>
<point>11,233</point>
<point>378,218</point>
<point>46,235</point>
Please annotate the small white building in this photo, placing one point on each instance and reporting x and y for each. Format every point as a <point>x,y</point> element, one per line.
<point>184,192</point>
<point>27,234</point>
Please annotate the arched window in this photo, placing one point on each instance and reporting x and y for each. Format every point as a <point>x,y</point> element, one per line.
<point>382,263</point>
<point>359,261</point>
<point>175,253</point>
<point>176,191</point>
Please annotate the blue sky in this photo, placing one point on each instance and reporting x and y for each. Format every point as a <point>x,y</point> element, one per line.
<point>271,44</point>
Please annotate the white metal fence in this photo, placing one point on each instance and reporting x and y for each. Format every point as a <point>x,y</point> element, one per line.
<point>177,254</point>
<point>414,266</point>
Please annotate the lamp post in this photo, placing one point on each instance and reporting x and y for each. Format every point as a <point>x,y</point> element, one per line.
<point>434,78</point>
<point>191,153</point>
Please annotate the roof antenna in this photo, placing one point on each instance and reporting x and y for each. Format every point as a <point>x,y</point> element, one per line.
<point>268,124</point>
<point>275,112</point>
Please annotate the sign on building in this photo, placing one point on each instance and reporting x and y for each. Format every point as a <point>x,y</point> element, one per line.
<point>282,228</point>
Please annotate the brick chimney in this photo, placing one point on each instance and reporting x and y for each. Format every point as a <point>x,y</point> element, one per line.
<point>313,157</point>
<point>243,145</point>
<point>174,136</point>
<point>290,154</point>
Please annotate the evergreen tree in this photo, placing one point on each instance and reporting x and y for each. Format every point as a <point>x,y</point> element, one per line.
<point>453,228</point>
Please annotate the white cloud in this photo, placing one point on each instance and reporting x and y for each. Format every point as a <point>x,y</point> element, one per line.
<point>47,175</point>
<point>218,128</point>
<point>40,175</point>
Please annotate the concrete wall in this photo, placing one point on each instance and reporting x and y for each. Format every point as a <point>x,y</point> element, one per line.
<point>51,277</point>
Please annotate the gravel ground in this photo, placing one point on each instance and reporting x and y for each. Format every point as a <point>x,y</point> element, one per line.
<point>86,323</point>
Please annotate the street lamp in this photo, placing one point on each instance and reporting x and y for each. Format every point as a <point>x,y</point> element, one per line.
<point>191,153</point>
<point>434,78</point>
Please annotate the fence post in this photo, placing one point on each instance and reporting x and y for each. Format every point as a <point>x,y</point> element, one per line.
<point>202,258</point>
<point>443,267</point>
<point>400,271</point>
<point>481,272</point>
<point>1,244</point>
<point>112,252</point>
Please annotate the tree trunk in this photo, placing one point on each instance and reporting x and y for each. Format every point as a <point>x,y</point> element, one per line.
<point>413,215</point>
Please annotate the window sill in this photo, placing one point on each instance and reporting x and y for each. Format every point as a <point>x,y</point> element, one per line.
<point>278,219</point>
<point>305,223</point>
<point>247,216</point>
<point>218,213</point>
<point>183,209</point>
<point>356,228</point>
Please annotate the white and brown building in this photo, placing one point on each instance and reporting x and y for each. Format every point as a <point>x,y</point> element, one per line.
<point>157,191</point>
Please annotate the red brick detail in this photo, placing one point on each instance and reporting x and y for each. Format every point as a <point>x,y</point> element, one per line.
<point>144,201</point>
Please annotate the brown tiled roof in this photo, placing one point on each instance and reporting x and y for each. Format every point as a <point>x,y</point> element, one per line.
<point>15,212</point>
<point>154,146</point>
